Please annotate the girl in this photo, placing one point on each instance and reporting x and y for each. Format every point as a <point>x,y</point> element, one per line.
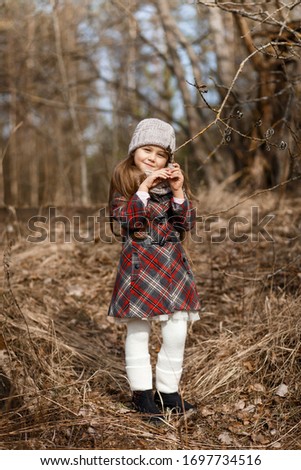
<point>148,197</point>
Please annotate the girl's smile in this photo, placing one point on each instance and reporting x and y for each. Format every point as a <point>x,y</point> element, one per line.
<point>150,158</point>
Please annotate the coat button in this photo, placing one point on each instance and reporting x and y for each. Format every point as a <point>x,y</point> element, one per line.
<point>136,266</point>
<point>184,259</point>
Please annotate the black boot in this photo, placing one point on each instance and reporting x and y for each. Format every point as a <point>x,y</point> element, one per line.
<point>173,401</point>
<point>143,401</point>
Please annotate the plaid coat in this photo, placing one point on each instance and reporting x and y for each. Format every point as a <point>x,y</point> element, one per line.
<point>153,277</point>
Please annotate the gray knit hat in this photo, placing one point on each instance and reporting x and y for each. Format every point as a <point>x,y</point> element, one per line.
<point>153,132</point>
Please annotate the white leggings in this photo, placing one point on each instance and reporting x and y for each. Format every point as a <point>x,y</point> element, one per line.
<point>170,357</point>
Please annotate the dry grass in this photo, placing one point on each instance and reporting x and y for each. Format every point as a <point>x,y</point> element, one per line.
<point>64,358</point>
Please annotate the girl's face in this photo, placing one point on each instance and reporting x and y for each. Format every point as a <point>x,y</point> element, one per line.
<point>150,158</point>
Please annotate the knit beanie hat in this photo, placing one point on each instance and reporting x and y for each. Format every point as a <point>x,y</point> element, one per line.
<point>153,132</point>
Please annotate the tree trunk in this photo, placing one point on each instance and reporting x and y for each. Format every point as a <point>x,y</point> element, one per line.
<point>10,159</point>
<point>221,26</point>
<point>69,99</point>
<point>173,36</point>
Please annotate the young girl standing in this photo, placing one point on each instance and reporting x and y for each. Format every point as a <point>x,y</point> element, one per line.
<point>148,197</point>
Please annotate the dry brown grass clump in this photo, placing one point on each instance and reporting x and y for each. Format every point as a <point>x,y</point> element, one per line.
<point>63,383</point>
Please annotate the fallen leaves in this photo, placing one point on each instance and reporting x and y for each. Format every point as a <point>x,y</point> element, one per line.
<point>225,438</point>
<point>258,387</point>
<point>249,419</point>
<point>281,390</point>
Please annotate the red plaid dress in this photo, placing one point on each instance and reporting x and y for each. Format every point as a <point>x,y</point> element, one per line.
<point>154,277</point>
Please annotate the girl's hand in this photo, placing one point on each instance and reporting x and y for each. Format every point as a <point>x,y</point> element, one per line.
<point>154,178</point>
<point>176,181</point>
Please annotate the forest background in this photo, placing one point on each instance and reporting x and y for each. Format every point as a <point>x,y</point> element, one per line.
<point>75,78</point>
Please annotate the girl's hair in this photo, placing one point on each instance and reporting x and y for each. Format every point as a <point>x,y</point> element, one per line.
<point>126,178</point>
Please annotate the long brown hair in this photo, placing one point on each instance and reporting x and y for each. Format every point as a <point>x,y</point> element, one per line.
<point>126,178</point>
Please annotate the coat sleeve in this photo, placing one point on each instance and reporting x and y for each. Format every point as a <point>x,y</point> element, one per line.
<point>182,216</point>
<point>130,213</point>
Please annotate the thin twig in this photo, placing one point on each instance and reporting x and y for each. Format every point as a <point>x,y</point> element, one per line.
<point>257,193</point>
<point>6,263</point>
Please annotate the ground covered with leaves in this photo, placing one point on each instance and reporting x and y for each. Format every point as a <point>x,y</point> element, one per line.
<point>62,377</point>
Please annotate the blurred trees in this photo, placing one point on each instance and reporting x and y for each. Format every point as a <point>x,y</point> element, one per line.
<point>76,76</point>
<point>262,39</point>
